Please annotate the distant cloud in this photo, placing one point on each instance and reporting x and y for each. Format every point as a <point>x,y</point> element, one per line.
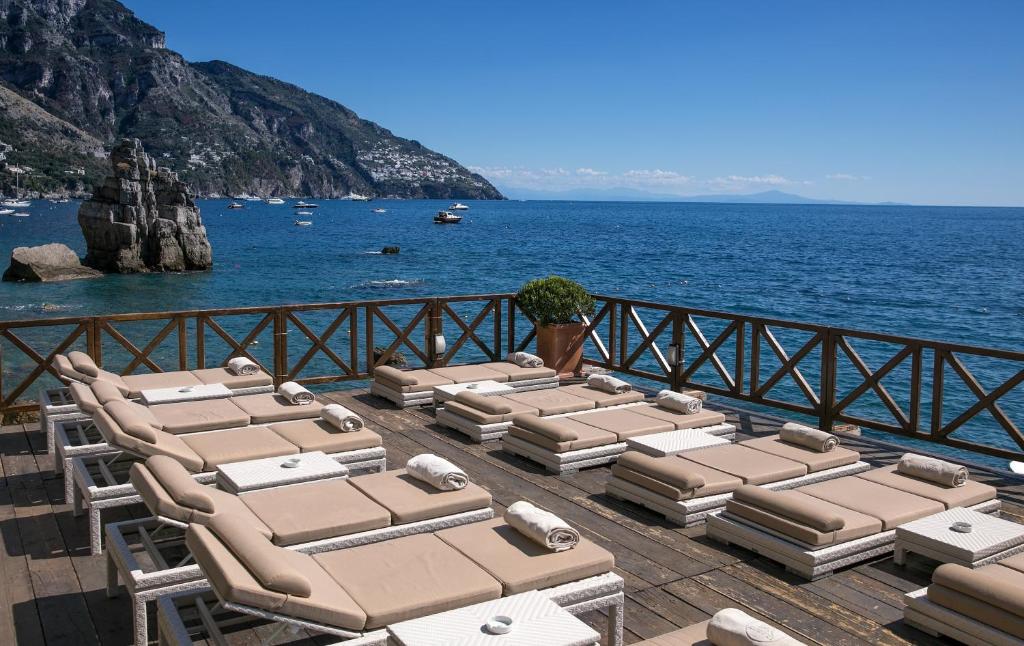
<point>846,177</point>
<point>591,172</point>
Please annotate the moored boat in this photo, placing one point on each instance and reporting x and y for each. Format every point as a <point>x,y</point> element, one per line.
<point>274,200</point>
<point>235,205</point>
<point>304,205</point>
<point>447,217</point>
<point>303,223</point>
<point>380,210</point>
<point>458,206</point>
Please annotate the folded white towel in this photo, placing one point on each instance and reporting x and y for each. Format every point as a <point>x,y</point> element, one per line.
<point>542,526</point>
<point>525,360</point>
<point>243,366</point>
<point>679,402</point>
<point>437,472</point>
<point>341,418</point>
<point>295,393</point>
<point>933,469</point>
<point>733,627</point>
<point>609,384</point>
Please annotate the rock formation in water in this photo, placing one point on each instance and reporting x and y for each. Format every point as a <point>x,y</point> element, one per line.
<point>143,218</point>
<point>46,263</point>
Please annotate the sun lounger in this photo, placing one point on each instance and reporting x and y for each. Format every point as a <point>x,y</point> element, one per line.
<point>981,607</point>
<point>406,388</point>
<point>730,621</point>
<point>357,592</point>
<point>351,511</point>
<point>688,488</point>
<point>489,418</point>
<point>57,406</point>
<point>100,482</point>
<point>568,443</point>
<point>816,529</point>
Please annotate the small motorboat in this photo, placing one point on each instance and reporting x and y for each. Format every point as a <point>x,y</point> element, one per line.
<point>304,205</point>
<point>458,206</point>
<point>447,217</point>
<point>303,213</point>
<point>356,197</point>
<point>380,210</point>
<point>303,223</point>
<point>235,205</point>
<point>16,204</point>
<point>20,215</point>
<point>6,211</point>
<point>274,200</point>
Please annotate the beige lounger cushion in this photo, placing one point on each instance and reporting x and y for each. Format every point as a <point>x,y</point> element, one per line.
<point>971,493</point>
<point>309,512</point>
<point>602,398</point>
<point>992,594</point>
<point>105,392</point>
<point>198,416</point>
<point>814,460</point>
<point>481,417</point>
<point>83,364</point>
<point>237,445</point>
<point>681,421</point>
<point>319,435</point>
<point>486,405</point>
<point>137,383</point>
<point>676,474</point>
<point>409,381</point>
<point>165,444</point>
<point>753,467</point>
<point>328,602</point>
<point>1014,562</point>
<point>408,577</point>
<point>84,397</point>
<point>466,374</point>
<point>66,370</point>
<point>410,500</point>
<point>891,506</point>
<point>231,380</point>
<point>809,520</point>
<point>519,373</point>
<point>267,408</point>
<point>520,563</point>
<point>695,635</point>
<point>559,435</point>
<point>623,422</point>
<point>552,401</point>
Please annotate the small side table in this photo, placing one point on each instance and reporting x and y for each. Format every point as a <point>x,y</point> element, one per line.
<point>535,620</point>
<point>239,477</point>
<point>486,388</point>
<point>184,394</point>
<point>989,540</point>
<point>674,442</point>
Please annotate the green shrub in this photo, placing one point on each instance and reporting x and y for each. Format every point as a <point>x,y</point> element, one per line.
<point>555,300</point>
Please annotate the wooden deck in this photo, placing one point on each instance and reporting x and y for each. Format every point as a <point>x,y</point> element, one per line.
<point>52,591</point>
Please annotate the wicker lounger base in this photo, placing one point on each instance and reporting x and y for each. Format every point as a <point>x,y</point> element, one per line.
<point>145,585</point>
<point>940,621</point>
<point>810,564</point>
<point>572,461</point>
<point>426,397</point>
<point>114,490</point>
<point>75,438</point>
<point>486,432</point>
<point>603,592</point>
<point>696,510</point>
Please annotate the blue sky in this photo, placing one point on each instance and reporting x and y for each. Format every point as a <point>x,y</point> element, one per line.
<point>907,101</point>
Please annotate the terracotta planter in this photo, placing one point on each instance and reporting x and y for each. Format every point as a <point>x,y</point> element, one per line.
<point>555,347</point>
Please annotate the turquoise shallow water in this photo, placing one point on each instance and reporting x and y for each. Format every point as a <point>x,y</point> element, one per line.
<point>953,274</point>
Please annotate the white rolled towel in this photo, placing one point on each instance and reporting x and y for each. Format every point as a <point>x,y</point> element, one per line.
<point>295,393</point>
<point>341,418</point>
<point>542,526</point>
<point>609,384</point>
<point>733,627</point>
<point>243,366</point>
<point>525,360</point>
<point>679,402</point>
<point>437,472</point>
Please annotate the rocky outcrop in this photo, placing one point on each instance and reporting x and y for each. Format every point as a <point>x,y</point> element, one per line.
<point>143,218</point>
<point>46,263</point>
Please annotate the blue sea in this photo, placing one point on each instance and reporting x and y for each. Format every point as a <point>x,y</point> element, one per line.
<point>953,274</point>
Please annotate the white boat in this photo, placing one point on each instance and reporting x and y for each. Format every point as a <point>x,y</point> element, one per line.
<point>6,211</point>
<point>303,223</point>
<point>303,213</point>
<point>458,206</point>
<point>274,200</point>
<point>16,204</point>
<point>380,210</point>
<point>253,198</point>
<point>356,197</point>
<point>447,217</point>
<point>20,215</point>
<point>235,205</point>
<point>303,205</point>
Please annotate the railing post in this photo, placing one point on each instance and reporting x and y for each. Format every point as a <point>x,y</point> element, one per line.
<point>280,346</point>
<point>675,383</point>
<point>829,364</point>
<point>434,328</point>
<point>93,340</point>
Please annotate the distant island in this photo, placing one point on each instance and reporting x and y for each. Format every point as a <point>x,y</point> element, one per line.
<point>77,77</point>
<point>635,195</point>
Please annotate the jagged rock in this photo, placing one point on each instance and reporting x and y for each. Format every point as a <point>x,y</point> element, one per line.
<point>46,263</point>
<point>143,218</point>
<point>387,251</point>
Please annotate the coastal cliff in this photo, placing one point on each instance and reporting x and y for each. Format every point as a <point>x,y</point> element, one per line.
<point>94,66</point>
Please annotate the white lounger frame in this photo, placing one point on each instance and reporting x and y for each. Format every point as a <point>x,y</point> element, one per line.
<point>572,461</point>
<point>800,559</point>
<point>95,496</point>
<point>939,621</point>
<point>486,432</point>
<point>426,397</point>
<point>602,592</point>
<point>696,510</point>
<point>148,585</point>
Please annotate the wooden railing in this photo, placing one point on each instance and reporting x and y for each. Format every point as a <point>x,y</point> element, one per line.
<point>961,396</point>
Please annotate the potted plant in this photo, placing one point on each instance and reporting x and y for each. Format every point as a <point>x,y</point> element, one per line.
<point>556,305</point>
